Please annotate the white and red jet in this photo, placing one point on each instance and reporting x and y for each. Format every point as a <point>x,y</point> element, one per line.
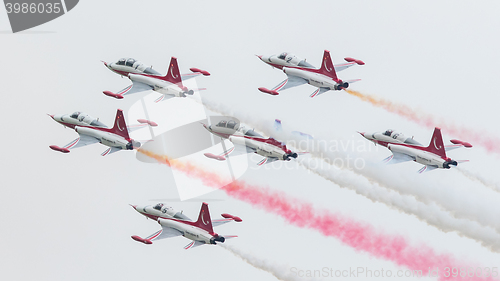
<point>300,72</point>
<point>175,224</point>
<point>145,79</point>
<point>91,131</point>
<point>248,141</point>
<point>407,149</point>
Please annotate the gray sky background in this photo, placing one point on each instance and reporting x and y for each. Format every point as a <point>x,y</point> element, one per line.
<point>66,216</point>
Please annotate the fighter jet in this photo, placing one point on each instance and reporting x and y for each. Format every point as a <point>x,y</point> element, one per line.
<point>248,141</point>
<point>174,224</point>
<point>79,118</point>
<point>145,79</point>
<point>93,131</point>
<point>300,72</point>
<point>407,149</point>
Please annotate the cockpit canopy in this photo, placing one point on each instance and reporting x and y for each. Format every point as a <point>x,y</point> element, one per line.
<point>137,65</point>
<point>158,206</point>
<point>85,118</point>
<point>231,124</point>
<point>251,133</point>
<point>388,132</point>
<point>400,137</point>
<point>293,59</point>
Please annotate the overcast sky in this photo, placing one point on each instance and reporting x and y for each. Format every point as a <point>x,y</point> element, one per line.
<point>66,216</point>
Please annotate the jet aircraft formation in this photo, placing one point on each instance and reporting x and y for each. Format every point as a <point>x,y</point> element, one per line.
<point>298,71</point>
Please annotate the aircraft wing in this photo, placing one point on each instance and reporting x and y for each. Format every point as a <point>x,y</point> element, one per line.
<point>427,168</point>
<point>290,82</point>
<point>110,150</point>
<point>135,127</point>
<point>319,91</point>
<point>187,76</point>
<point>221,222</point>
<point>267,160</point>
<point>83,140</point>
<point>163,97</point>
<point>164,232</point>
<point>193,244</point>
<point>453,146</point>
<point>398,158</point>
<point>342,66</point>
<point>136,87</point>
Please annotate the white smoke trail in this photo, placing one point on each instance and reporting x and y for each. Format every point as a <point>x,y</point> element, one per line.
<point>455,205</point>
<point>481,179</point>
<point>430,213</point>
<point>281,272</point>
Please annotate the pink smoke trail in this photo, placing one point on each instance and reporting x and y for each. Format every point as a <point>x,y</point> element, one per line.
<point>482,138</point>
<point>360,236</point>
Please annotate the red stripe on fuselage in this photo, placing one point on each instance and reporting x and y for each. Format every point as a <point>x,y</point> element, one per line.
<point>104,130</point>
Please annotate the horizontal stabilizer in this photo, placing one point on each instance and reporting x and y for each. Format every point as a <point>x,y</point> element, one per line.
<point>466,144</point>
<point>197,70</point>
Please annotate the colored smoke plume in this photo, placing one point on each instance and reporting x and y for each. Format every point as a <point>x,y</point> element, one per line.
<point>482,138</point>
<point>360,236</point>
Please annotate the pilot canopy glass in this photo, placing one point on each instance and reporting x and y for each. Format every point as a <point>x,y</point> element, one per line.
<point>231,124</point>
<point>137,65</point>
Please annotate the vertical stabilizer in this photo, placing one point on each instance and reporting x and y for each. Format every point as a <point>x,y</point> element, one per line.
<point>436,145</point>
<point>120,126</point>
<point>204,221</point>
<point>173,74</point>
<point>327,66</point>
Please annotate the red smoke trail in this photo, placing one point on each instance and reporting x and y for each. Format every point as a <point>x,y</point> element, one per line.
<point>361,236</point>
<point>475,137</point>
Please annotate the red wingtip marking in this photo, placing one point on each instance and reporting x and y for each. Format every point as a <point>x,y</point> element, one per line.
<point>60,149</point>
<point>204,72</point>
<point>237,219</point>
<point>216,157</point>
<point>362,133</point>
<point>359,62</point>
<point>142,240</point>
<point>267,91</point>
<point>133,206</point>
<point>466,144</point>
<point>111,94</point>
<point>51,115</point>
<point>226,216</point>
<point>150,123</point>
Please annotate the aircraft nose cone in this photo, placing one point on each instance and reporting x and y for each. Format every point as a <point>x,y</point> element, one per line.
<point>57,117</point>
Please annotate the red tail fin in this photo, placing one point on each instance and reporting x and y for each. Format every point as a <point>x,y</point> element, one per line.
<point>437,146</point>
<point>173,74</point>
<point>120,127</point>
<point>204,221</point>
<point>327,66</point>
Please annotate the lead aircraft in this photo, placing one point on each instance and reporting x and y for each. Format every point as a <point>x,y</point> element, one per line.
<point>175,224</point>
<point>407,149</point>
<point>91,130</point>
<point>300,72</point>
<point>145,79</point>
